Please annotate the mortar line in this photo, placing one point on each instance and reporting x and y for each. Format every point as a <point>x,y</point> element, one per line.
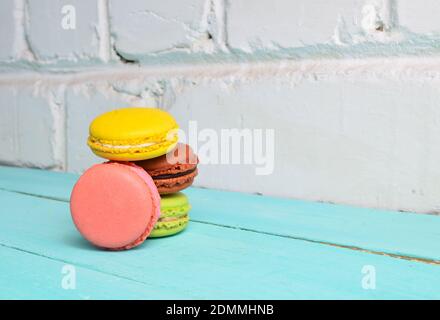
<point>317,69</point>
<point>104,30</point>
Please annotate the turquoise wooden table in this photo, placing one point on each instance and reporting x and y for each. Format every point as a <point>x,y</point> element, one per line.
<point>237,246</point>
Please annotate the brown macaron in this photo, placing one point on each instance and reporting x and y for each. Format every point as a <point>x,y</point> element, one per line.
<point>173,171</point>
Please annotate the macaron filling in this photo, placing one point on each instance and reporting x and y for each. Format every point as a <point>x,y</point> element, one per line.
<point>175,211</point>
<point>174,184</point>
<point>174,175</point>
<point>174,215</point>
<point>127,146</point>
<point>170,227</point>
<point>169,219</point>
<point>105,145</point>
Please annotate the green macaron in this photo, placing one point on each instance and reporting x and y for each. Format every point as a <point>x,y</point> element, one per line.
<point>174,217</point>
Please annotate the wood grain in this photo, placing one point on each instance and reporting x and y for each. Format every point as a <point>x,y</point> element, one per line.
<point>25,275</point>
<point>205,261</point>
<point>405,234</point>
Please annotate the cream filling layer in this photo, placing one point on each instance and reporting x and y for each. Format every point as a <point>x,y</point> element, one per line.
<point>123,147</point>
<point>170,219</point>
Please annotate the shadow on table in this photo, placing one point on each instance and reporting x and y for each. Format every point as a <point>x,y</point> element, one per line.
<point>79,242</point>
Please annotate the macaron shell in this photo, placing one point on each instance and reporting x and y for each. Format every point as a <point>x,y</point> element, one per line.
<point>114,205</point>
<point>172,185</point>
<point>173,202</point>
<point>165,229</point>
<point>131,134</point>
<point>132,124</point>
<point>175,206</point>
<point>180,159</point>
<point>177,162</point>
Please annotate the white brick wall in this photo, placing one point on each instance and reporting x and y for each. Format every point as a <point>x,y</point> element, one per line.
<point>7,30</point>
<point>27,128</point>
<point>81,110</point>
<point>279,23</point>
<point>145,27</point>
<point>48,40</point>
<point>419,16</point>
<point>373,141</point>
<point>352,88</point>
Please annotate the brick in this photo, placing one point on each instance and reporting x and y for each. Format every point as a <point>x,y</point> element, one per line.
<point>142,27</point>
<point>286,23</point>
<point>419,16</point>
<point>7,30</point>
<point>26,129</point>
<point>8,136</point>
<point>49,40</point>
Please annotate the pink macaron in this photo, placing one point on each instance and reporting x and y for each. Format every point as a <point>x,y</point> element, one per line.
<point>115,205</point>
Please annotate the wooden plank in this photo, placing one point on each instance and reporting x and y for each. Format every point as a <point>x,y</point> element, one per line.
<point>406,234</point>
<point>51,184</point>
<point>26,275</point>
<point>208,261</point>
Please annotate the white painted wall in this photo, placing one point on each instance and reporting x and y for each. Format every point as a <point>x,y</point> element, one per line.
<point>351,87</point>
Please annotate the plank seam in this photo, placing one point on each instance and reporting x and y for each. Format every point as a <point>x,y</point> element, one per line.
<point>391,255</point>
<point>35,195</point>
<point>77,264</point>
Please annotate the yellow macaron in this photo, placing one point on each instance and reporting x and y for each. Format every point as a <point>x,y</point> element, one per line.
<point>131,134</point>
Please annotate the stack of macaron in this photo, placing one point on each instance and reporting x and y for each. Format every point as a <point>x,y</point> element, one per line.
<point>136,194</point>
